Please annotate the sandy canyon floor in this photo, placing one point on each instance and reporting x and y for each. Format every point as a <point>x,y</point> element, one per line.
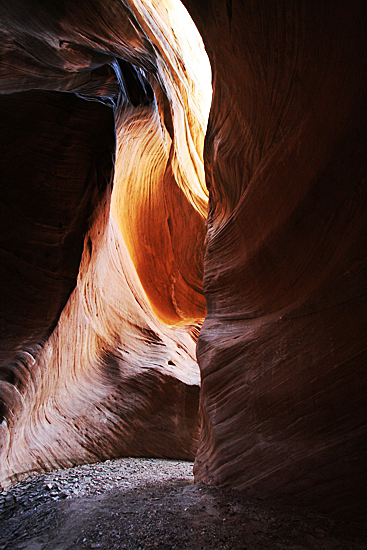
<point>150,503</point>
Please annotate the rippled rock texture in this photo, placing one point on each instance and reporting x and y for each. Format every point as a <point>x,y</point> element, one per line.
<point>283,348</point>
<point>101,293</point>
<point>282,351</point>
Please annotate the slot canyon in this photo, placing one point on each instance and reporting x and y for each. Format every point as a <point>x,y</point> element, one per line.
<point>183,241</point>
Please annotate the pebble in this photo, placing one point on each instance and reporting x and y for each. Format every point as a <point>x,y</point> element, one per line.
<point>91,479</point>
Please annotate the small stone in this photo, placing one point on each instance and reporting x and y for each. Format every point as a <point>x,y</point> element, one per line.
<point>10,500</point>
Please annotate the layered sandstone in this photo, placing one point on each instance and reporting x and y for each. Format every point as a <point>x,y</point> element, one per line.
<point>282,351</point>
<point>102,301</point>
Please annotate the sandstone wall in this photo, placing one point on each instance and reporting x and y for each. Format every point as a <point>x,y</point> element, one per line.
<point>102,303</point>
<point>282,351</point>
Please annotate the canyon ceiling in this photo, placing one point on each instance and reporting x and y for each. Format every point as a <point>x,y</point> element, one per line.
<point>138,235</point>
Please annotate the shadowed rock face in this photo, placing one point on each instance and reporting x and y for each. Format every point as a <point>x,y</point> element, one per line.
<point>56,165</point>
<point>282,351</point>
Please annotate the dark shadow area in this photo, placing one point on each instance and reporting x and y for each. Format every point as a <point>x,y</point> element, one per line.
<point>117,504</point>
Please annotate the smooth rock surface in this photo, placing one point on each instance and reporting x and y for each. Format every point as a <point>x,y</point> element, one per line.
<point>282,351</point>
<point>283,256</point>
<point>102,300</point>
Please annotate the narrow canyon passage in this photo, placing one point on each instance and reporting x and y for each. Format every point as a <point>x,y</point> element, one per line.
<point>177,283</point>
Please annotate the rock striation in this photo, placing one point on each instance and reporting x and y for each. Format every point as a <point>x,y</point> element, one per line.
<point>102,297</point>
<point>282,350</point>
<point>104,291</point>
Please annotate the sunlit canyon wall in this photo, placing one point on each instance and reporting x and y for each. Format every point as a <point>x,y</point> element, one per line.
<point>102,294</point>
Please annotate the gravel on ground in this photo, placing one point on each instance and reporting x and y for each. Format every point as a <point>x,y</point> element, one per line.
<point>151,503</point>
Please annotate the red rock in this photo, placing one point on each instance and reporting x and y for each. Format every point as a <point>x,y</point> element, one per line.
<point>88,370</point>
<point>283,348</point>
<point>282,351</point>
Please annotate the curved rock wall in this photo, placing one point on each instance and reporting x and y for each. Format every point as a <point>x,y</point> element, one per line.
<point>282,351</point>
<point>162,185</point>
<point>106,378</point>
<point>110,381</point>
<point>56,166</point>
